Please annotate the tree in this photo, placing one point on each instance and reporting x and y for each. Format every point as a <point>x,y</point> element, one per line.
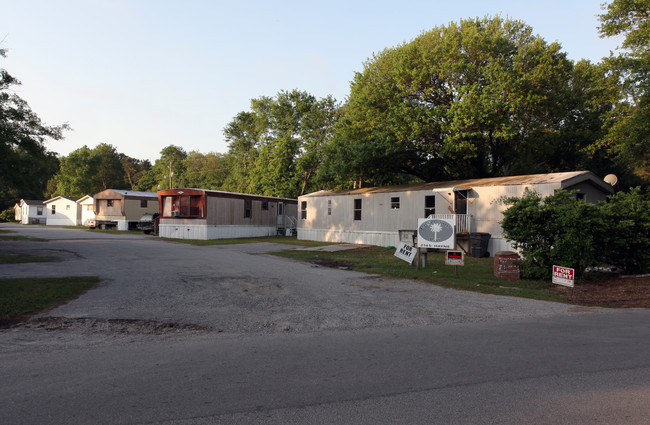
<point>207,171</point>
<point>76,174</point>
<point>167,170</point>
<point>277,148</point>
<point>480,98</point>
<point>134,169</point>
<point>88,171</point>
<point>25,164</point>
<point>629,135</point>
<point>243,135</point>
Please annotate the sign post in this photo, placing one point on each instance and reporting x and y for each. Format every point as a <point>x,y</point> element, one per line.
<point>563,276</point>
<point>455,258</point>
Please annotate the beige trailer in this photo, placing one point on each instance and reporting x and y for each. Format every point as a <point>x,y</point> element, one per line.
<point>375,215</point>
<point>211,214</point>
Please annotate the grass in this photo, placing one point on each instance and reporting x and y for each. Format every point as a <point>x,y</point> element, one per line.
<point>476,275</point>
<point>20,258</point>
<point>20,238</point>
<point>22,297</point>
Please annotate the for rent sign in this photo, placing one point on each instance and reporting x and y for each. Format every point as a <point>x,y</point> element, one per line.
<point>405,252</point>
<point>563,276</point>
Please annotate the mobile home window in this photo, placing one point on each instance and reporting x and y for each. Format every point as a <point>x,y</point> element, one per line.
<point>429,205</point>
<point>182,206</point>
<point>357,209</point>
<point>580,196</point>
<point>303,210</point>
<point>265,205</point>
<point>53,209</point>
<point>329,207</point>
<point>143,203</point>
<point>109,202</point>
<point>248,207</point>
<point>394,203</point>
<point>39,211</point>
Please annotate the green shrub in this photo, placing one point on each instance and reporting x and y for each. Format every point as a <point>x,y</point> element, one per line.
<point>558,229</point>
<point>626,236</point>
<point>563,230</point>
<point>7,215</point>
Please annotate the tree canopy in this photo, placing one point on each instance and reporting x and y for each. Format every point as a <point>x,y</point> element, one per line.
<point>276,149</point>
<point>480,98</point>
<point>88,171</point>
<point>629,134</point>
<point>25,163</point>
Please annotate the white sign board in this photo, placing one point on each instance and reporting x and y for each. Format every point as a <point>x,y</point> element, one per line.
<point>563,276</point>
<point>406,252</point>
<point>436,233</point>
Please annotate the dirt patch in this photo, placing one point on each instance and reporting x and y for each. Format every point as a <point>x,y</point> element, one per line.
<point>609,291</point>
<point>113,326</point>
<point>343,265</point>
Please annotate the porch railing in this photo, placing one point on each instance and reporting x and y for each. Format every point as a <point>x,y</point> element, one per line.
<point>463,222</point>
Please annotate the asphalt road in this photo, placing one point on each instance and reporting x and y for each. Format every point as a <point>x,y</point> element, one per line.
<point>178,334</point>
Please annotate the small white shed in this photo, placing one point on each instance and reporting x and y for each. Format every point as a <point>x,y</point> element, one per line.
<point>375,215</point>
<point>87,207</point>
<point>63,211</point>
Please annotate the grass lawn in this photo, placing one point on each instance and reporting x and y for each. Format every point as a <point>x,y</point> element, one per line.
<point>22,297</point>
<point>476,275</point>
<point>20,238</point>
<point>21,258</point>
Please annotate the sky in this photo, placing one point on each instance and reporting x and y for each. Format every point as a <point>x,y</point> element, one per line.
<point>143,75</point>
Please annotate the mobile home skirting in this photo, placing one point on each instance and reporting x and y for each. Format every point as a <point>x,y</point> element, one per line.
<point>379,238</point>
<point>207,232</point>
<point>367,237</point>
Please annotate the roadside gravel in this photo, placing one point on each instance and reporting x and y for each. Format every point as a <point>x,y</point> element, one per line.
<point>153,288</point>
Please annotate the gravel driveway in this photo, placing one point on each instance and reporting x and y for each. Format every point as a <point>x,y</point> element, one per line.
<point>153,286</point>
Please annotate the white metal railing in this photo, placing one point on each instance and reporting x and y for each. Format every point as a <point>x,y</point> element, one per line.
<point>463,222</point>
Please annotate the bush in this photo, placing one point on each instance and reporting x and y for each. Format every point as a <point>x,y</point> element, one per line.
<point>558,230</point>
<point>7,215</point>
<point>562,230</point>
<point>626,236</point>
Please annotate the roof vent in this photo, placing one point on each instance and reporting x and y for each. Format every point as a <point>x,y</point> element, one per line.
<point>611,179</point>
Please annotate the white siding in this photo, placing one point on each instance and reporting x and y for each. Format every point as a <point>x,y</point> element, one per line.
<point>67,212</point>
<point>86,206</point>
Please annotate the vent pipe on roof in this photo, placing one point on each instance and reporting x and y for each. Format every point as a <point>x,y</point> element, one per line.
<point>611,179</point>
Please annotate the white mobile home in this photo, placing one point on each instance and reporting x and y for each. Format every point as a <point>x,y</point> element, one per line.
<point>376,215</point>
<point>62,211</point>
<point>31,212</point>
<point>122,209</point>
<point>87,210</point>
<point>211,214</point>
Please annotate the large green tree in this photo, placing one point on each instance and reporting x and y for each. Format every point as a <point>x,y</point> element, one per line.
<point>167,170</point>
<point>25,163</point>
<point>88,171</point>
<point>205,171</point>
<point>629,135</point>
<point>277,148</point>
<point>482,97</point>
